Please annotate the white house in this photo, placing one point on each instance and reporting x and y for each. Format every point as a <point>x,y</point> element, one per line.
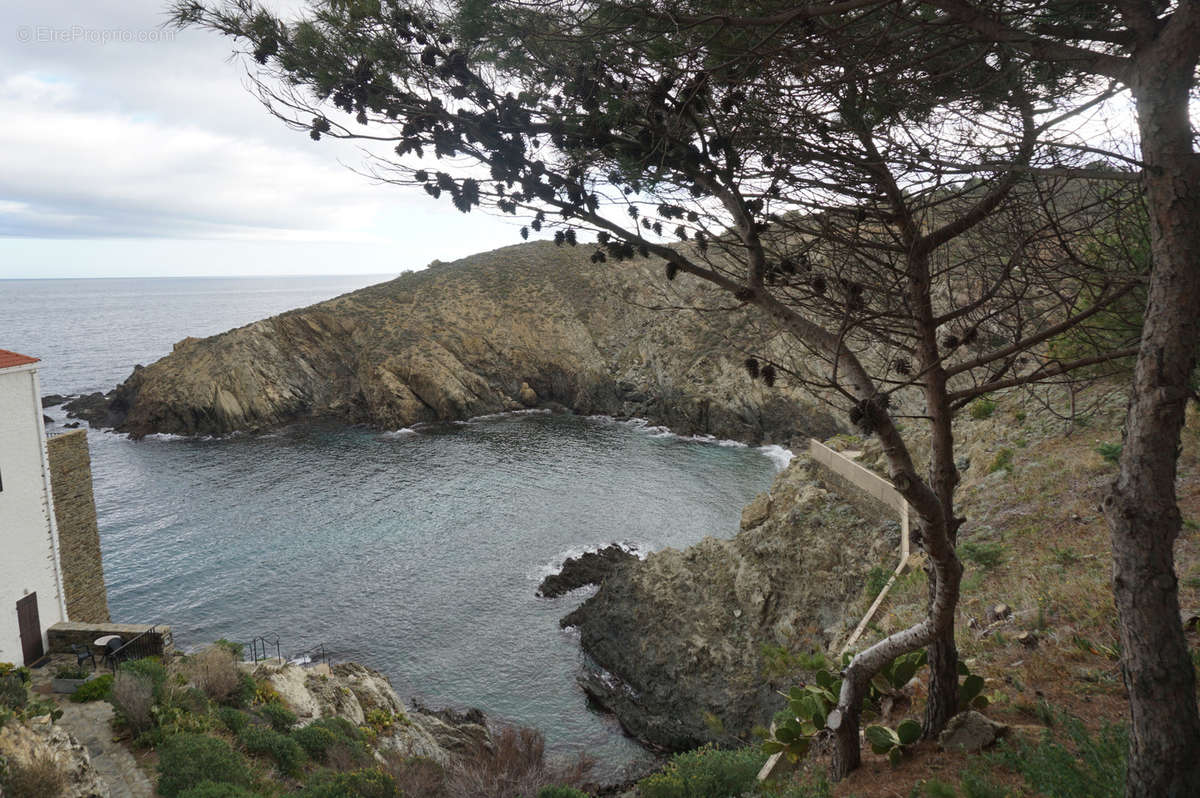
<point>31,582</point>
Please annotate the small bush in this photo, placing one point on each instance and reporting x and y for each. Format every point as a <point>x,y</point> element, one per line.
<point>72,672</point>
<point>98,689</point>
<point>982,408</point>
<point>22,673</point>
<point>133,698</point>
<point>40,777</point>
<point>187,760</point>
<point>216,673</point>
<point>977,784</point>
<point>233,719</point>
<point>212,789</point>
<point>280,717</point>
<point>315,740</point>
<point>876,580</point>
<point>562,792</point>
<point>705,772</point>
<point>150,669</point>
<point>416,775</point>
<point>1002,462</point>
<point>13,694</point>
<point>513,766</point>
<point>236,650</point>
<point>1110,452</point>
<point>373,783</point>
<point>286,752</point>
<point>985,555</point>
<point>243,696</point>
<point>1089,767</point>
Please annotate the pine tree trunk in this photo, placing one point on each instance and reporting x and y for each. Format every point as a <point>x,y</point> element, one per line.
<point>942,703</point>
<point>1143,517</point>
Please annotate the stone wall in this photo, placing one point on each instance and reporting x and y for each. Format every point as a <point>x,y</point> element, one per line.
<point>62,635</point>
<point>78,535</point>
<point>869,493</point>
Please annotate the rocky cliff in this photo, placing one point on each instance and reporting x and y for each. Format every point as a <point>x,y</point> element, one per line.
<point>532,324</point>
<point>691,646</point>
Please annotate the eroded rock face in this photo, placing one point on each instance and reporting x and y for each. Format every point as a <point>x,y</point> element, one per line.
<point>41,738</point>
<point>353,691</point>
<point>684,638</point>
<point>529,325</point>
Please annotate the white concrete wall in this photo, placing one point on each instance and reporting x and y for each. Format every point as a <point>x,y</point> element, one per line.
<point>28,548</point>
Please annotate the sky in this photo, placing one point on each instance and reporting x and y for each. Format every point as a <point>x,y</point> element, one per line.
<point>129,148</point>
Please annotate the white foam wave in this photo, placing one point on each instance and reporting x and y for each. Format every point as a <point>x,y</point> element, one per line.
<point>535,411</point>
<point>778,455</point>
<point>403,432</point>
<point>639,550</point>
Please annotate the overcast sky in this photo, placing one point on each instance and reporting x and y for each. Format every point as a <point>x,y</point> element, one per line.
<point>131,149</point>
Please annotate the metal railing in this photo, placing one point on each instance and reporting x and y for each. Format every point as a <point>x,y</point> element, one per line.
<point>150,643</point>
<point>260,645</point>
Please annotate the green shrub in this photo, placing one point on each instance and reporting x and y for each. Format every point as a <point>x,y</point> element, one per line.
<point>876,580</point>
<point>187,760</point>
<point>151,669</point>
<point>341,727</point>
<point>211,789</point>
<point>72,672</point>
<point>233,719</point>
<point>280,717</point>
<point>373,783</point>
<point>977,784</point>
<point>236,649</point>
<point>806,789</point>
<point>243,694</point>
<point>23,673</point>
<point>1002,462</point>
<point>315,740</point>
<point>1089,767</point>
<point>286,752</point>
<point>98,689</point>
<point>705,773</point>
<point>1110,452</point>
<point>13,694</point>
<point>982,408</point>
<point>985,555</point>
<point>562,792</point>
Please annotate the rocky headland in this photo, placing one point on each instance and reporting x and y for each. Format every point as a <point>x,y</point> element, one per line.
<point>691,646</point>
<point>523,326</point>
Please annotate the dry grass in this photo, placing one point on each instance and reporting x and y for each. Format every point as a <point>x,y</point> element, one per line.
<point>214,670</point>
<point>514,765</point>
<point>1052,567</point>
<point>133,698</point>
<point>40,777</point>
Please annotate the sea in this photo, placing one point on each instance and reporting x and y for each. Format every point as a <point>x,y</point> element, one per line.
<point>414,551</point>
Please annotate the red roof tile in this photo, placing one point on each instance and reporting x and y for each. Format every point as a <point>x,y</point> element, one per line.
<point>9,359</point>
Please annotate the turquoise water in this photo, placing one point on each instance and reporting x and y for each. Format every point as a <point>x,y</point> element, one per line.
<point>415,552</point>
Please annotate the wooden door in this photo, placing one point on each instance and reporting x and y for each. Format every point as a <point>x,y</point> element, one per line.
<point>31,628</point>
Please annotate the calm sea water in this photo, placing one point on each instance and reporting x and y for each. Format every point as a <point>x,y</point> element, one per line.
<point>415,552</point>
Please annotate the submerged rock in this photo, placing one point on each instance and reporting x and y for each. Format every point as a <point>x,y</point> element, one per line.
<point>692,646</point>
<point>590,568</point>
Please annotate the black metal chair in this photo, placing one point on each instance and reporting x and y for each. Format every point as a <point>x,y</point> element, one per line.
<point>111,648</point>
<point>83,654</point>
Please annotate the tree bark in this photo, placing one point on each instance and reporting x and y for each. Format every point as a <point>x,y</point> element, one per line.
<point>1143,517</point>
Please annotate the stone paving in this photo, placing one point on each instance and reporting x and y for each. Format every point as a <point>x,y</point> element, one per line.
<point>90,724</point>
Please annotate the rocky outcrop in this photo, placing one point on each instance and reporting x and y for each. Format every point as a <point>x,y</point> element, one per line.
<point>524,326</point>
<point>691,646</point>
<point>42,741</point>
<point>589,568</point>
<point>359,694</point>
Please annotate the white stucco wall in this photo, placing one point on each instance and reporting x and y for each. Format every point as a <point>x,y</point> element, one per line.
<point>28,545</point>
